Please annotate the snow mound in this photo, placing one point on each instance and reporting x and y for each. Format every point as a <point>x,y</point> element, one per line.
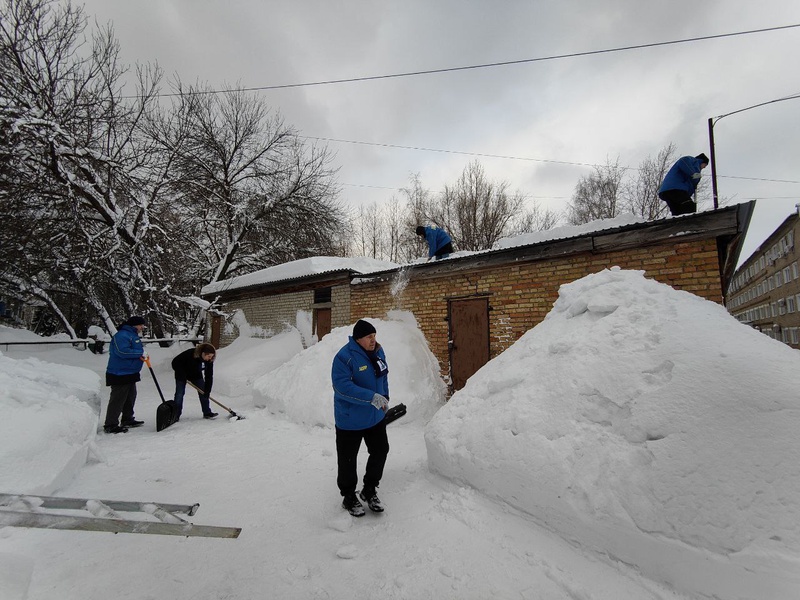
<point>301,388</point>
<point>50,416</point>
<point>635,407</point>
<point>238,365</point>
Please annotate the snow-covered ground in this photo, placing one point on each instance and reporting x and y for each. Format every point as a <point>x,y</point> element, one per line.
<point>639,444</point>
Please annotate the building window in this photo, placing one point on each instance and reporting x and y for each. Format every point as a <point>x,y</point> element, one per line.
<point>322,295</point>
<point>790,304</point>
<point>786,275</point>
<point>795,335</point>
<point>795,271</point>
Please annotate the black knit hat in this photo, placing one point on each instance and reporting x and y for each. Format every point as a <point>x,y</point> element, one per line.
<point>362,329</point>
<point>702,158</point>
<point>134,321</point>
<point>420,230</point>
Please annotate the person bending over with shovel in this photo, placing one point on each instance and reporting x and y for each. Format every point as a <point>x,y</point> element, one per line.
<point>195,365</point>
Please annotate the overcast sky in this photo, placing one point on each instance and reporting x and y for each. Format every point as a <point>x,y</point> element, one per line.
<point>555,117</point>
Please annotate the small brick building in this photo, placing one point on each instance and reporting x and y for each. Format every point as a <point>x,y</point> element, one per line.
<point>472,307</point>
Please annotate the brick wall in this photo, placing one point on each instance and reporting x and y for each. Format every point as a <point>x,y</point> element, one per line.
<point>268,312</point>
<point>272,312</point>
<point>521,294</point>
<point>340,312</point>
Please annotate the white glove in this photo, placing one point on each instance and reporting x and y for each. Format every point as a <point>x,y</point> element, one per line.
<point>379,402</point>
<point>697,176</point>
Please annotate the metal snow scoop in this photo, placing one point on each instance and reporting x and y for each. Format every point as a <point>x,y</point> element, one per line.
<point>167,411</point>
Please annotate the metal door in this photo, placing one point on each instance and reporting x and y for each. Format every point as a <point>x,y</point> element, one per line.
<point>216,330</point>
<point>323,316</point>
<point>469,338</point>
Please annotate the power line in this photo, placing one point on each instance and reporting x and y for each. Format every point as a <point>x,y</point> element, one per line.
<point>397,189</point>
<point>482,66</point>
<point>443,151</point>
<point>507,157</point>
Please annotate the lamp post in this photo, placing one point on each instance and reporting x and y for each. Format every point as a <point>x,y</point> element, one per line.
<point>713,161</point>
<point>712,121</point>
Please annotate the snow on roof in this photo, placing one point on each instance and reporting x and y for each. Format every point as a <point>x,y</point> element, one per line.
<point>316,265</point>
<point>567,231</point>
<point>323,264</point>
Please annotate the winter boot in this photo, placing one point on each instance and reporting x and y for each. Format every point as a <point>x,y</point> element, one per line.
<point>114,429</point>
<point>372,500</point>
<point>353,506</point>
<point>133,423</point>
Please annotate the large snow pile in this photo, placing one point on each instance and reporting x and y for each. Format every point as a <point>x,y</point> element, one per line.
<point>49,418</point>
<point>635,420</point>
<point>301,388</point>
<point>247,359</point>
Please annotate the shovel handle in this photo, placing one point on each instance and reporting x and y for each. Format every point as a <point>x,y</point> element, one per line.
<point>153,373</point>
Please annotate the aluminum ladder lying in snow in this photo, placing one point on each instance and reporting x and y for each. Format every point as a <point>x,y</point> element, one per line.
<point>51,512</point>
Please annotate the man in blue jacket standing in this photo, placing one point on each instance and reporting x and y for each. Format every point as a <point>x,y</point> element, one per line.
<point>125,359</point>
<point>681,182</point>
<point>439,243</point>
<point>360,399</point>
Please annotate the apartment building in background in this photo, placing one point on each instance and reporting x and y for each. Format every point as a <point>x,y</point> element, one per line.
<point>765,290</point>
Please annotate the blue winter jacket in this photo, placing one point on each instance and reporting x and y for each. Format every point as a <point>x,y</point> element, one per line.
<point>124,357</point>
<point>682,176</point>
<point>354,385</point>
<point>436,238</point>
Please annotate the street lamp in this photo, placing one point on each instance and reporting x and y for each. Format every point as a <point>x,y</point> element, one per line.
<point>711,122</point>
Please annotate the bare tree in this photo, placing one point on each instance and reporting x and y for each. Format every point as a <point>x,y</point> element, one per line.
<point>641,193</point>
<point>475,211</point>
<point>598,195</point>
<point>69,144</point>
<point>533,219</point>
<point>249,193</point>
<point>368,234</point>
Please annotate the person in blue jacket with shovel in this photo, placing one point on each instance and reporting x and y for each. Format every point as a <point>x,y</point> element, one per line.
<point>126,357</point>
<point>360,399</point>
<point>680,184</point>
<point>440,245</point>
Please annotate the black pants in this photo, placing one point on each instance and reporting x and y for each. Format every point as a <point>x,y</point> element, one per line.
<point>444,250</point>
<point>122,399</point>
<point>347,445</point>
<point>679,202</point>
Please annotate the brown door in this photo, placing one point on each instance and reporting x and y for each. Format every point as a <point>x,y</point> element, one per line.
<point>323,322</point>
<point>216,330</point>
<point>469,338</point>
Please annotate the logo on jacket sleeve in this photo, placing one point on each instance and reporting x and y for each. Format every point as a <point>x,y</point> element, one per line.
<point>362,368</point>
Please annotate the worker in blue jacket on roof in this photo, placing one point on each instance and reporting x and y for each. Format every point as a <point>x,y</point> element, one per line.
<point>360,398</point>
<point>439,243</point>
<point>680,184</point>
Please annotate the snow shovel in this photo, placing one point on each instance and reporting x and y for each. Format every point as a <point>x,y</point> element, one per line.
<point>233,414</point>
<point>167,411</point>
<point>394,413</point>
